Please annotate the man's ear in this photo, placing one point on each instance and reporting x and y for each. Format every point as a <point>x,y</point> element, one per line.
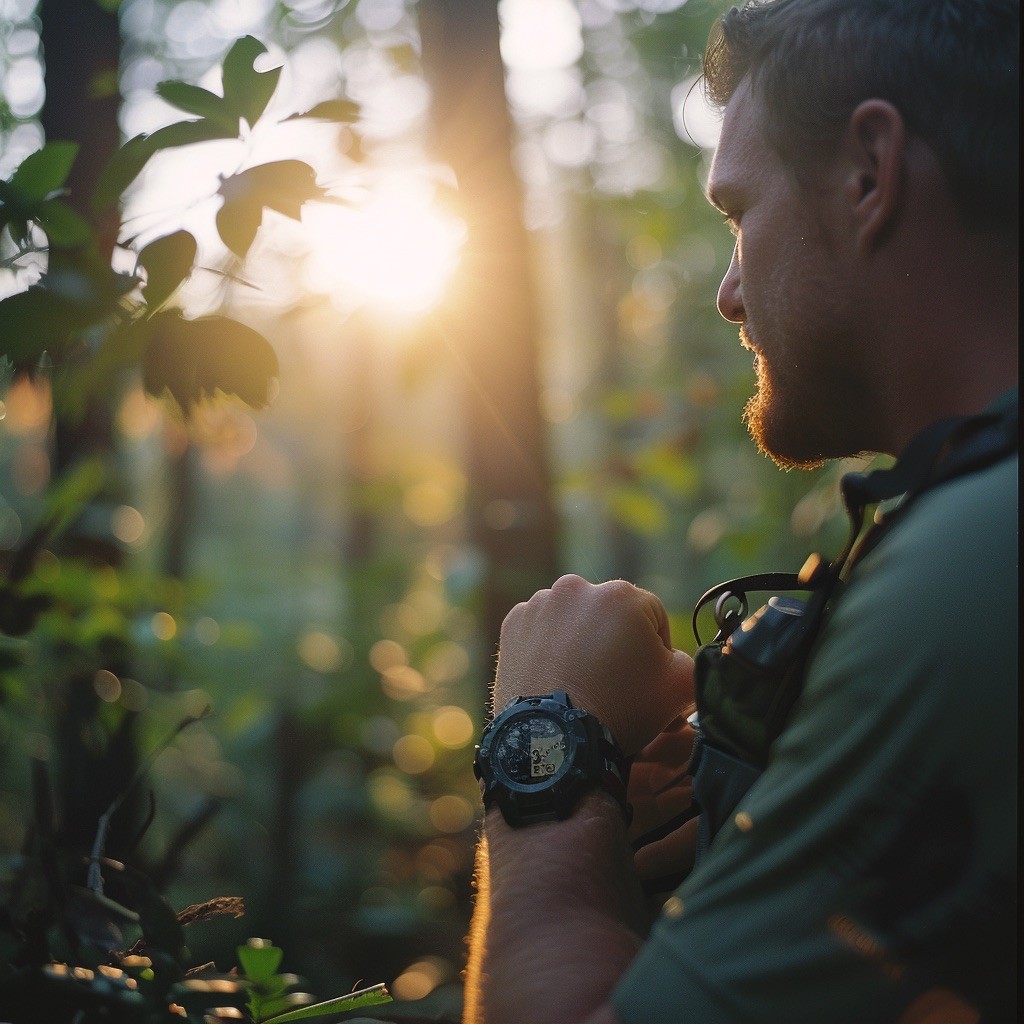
<point>875,142</point>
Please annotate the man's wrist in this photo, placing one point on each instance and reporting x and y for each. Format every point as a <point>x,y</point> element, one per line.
<point>597,809</point>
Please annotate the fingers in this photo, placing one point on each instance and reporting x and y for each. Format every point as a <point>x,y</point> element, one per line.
<point>650,605</point>
<point>672,747</point>
<point>674,854</point>
<point>656,812</point>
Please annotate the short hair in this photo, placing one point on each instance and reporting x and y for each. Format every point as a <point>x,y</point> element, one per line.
<point>951,67</point>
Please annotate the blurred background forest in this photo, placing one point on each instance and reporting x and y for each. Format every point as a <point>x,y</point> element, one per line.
<point>499,360</point>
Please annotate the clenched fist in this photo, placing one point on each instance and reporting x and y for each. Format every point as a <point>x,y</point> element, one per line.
<point>608,646</point>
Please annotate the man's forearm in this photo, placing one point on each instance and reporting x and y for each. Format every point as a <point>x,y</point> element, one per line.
<point>559,917</point>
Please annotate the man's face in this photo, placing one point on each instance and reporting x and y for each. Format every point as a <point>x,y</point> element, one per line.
<point>788,289</point>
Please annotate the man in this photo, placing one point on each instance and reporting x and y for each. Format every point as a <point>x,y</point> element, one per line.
<point>868,167</point>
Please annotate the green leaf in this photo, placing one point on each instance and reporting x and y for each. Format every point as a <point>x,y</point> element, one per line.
<point>127,163</point>
<point>246,90</point>
<point>44,171</point>
<point>195,100</point>
<point>63,227</point>
<point>167,262</point>
<point>273,1005</point>
<point>330,110</point>
<point>375,995</point>
<point>282,185</point>
<point>259,959</point>
<point>194,359</point>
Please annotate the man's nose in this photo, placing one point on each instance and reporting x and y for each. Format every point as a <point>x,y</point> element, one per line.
<point>730,297</point>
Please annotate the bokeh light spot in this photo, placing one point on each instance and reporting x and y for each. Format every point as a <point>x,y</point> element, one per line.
<point>207,630</point>
<point>106,685</point>
<point>451,813</point>
<point>389,793</point>
<point>28,406</point>
<point>163,625</point>
<point>452,726</point>
<point>419,979</point>
<point>323,653</point>
<point>385,654</point>
<point>413,754</point>
<point>402,682</point>
<point>127,524</point>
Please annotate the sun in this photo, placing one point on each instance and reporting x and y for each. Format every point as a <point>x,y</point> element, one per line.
<point>397,251</point>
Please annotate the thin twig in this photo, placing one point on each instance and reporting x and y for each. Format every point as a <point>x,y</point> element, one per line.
<point>94,879</point>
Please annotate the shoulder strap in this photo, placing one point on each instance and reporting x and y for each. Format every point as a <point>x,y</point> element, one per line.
<point>945,450</point>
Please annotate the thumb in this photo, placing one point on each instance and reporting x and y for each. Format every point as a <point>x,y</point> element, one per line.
<point>681,671</point>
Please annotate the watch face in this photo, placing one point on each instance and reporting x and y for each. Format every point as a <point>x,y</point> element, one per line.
<point>531,749</point>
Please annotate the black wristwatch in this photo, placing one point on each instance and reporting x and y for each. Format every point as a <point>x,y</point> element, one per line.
<point>541,754</point>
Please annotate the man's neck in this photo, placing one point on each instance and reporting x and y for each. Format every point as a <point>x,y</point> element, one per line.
<point>953,346</point>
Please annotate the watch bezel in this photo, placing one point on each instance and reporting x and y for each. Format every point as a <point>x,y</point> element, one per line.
<point>552,799</point>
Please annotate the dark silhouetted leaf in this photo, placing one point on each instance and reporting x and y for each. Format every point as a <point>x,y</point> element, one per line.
<point>126,164</point>
<point>283,185</point>
<point>64,228</point>
<point>196,100</point>
<point>194,359</point>
<point>44,171</point>
<point>36,321</point>
<point>246,90</point>
<point>167,262</point>
<point>79,290</point>
<point>18,227</point>
<point>237,225</point>
<point>330,110</point>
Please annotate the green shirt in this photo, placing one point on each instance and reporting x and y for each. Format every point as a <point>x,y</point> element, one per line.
<point>872,867</point>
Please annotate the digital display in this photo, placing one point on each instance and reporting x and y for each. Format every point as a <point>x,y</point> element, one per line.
<point>531,750</point>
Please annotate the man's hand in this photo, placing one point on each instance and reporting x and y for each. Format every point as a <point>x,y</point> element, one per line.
<point>661,790</point>
<point>608,646</point>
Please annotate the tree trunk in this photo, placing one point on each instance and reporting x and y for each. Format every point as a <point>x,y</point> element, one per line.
<point>81,47</point>
<point>490,317</point>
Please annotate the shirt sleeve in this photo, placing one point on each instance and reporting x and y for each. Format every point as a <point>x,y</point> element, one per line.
<point>871,870</point>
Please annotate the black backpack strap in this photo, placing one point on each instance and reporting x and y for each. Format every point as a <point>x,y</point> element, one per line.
<point>947,449</point>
